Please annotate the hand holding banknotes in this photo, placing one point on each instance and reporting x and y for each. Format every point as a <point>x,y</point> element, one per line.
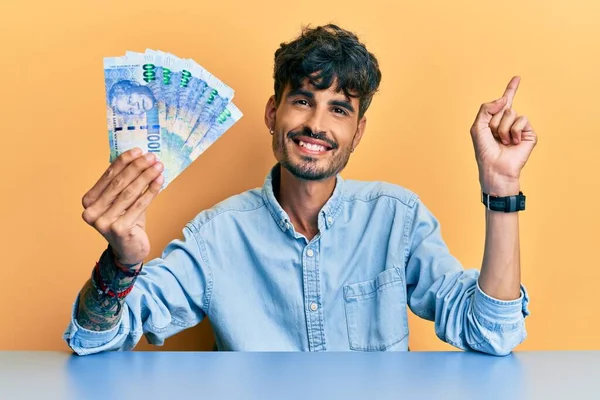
<point>116,205</point>
<point>162,113</point>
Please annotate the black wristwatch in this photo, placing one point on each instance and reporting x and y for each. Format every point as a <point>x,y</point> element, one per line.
<point>506,204</point>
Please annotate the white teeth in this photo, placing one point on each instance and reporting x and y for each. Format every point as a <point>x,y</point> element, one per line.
<point>311,146</point>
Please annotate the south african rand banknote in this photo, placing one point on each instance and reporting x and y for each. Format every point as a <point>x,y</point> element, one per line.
<point>225,120</point>
<point>131,106</point>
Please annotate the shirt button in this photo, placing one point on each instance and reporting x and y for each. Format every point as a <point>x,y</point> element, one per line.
<point>314,306</point>
<point>329,220</point>
<point>287,226</point>
<point>309,253</point>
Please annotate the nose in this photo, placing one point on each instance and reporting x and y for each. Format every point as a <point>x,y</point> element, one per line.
<point>316,120</point>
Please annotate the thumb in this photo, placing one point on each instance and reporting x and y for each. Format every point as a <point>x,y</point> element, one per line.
<point>488,110</point>
<point>497,105</point>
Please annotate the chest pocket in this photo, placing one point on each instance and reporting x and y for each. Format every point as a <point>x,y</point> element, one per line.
<point>376,311</point>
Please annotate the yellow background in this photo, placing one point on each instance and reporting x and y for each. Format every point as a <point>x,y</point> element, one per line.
<point>439,60</point>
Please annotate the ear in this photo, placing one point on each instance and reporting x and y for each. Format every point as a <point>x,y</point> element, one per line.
<point>360,130</point>
<point>270,111</point>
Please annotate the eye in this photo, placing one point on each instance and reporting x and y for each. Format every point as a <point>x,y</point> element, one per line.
<point>301,102</point>
<point>339,110</point>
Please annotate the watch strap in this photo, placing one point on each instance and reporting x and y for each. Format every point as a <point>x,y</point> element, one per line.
<point>506,204</point>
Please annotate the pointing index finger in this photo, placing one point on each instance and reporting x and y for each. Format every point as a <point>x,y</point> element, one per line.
<point>511,90</point>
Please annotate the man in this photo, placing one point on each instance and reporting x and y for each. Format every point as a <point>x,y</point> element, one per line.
<point>129,98</point>
<point>310,261</point>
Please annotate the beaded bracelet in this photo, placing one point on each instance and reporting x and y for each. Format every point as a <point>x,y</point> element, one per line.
<point>104,289</point>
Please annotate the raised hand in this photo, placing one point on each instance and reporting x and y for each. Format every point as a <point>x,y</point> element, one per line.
<point>503,142</point>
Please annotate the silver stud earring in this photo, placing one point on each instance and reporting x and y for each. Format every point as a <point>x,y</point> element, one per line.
<point>271,131</point>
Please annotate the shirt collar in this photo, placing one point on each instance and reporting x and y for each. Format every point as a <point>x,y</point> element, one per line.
<point>327,215</point>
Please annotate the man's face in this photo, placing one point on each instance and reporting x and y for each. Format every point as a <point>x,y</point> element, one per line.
<point>315,130</point>
<point>133,103</point>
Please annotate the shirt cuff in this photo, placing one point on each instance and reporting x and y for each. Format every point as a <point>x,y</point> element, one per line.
<point>78,336</point>
<point>501,312</point>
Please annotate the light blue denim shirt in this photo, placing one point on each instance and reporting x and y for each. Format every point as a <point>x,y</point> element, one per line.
<point>266,287</point>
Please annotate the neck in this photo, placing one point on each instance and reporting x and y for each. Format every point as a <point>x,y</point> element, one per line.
<point>302,200</point>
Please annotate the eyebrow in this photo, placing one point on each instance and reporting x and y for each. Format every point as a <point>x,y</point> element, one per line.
<point>340,103</point>
<point>300,92</point>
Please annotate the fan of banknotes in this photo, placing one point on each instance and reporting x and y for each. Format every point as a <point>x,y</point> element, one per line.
<point>166,105</point>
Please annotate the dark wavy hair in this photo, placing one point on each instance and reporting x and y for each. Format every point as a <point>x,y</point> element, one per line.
<point>323,54</point>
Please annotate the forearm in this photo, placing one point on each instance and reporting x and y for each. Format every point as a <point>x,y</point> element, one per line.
<point>98,311</point>
<point>501,268</point>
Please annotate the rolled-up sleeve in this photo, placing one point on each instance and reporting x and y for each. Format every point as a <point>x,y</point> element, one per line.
<point>171,294</point>
<point>441,290</point>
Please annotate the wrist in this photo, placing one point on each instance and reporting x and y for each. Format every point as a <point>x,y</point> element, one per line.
<point>500,186</point>
<point>127,268</point>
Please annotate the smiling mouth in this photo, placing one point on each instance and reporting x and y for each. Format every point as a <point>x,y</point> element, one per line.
<point>312,146</point>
